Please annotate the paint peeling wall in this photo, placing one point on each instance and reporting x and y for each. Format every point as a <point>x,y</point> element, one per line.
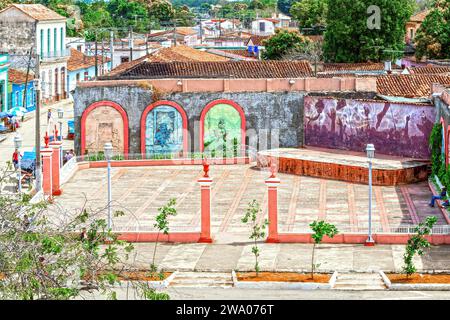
<point>395,129</point>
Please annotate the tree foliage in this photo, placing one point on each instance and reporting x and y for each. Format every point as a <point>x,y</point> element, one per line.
<point>252,217</point>
<point>417,243</point>
<point>285,5</point>
<point>310,13</point>
<point>282,42</point>
<point>320,229</point>
<point>348,37</point>
<point>433,37</point>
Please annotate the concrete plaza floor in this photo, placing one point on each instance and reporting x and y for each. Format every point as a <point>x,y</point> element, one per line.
<point>284,257</point>
<point>140,191</point>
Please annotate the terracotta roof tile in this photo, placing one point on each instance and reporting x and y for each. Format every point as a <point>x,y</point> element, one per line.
<point>78,60</point>
<point>18,76</point>
<point>257,40</point>
<point>409,86</point>
<point>178,53</point>
<point>37,11</point>
<point>430,70</point>
<point>419,17</point>
<point>232,69</point>
<point>364,66</point>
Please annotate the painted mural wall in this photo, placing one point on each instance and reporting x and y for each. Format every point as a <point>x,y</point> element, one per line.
<point>164,131</point>
<point>394,129</point>
<point>222,128</point>
<point>104,124</point>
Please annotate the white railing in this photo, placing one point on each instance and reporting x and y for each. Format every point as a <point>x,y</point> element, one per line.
<point>68,170</point>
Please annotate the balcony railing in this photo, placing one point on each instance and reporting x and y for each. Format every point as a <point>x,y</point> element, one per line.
<point>55,54</point>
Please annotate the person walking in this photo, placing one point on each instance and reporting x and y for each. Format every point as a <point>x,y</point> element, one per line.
<point>49,115</point>
<point>438,197</point>
<point>15,158</point>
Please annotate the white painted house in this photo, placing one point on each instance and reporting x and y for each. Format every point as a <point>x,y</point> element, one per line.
<point>25,27</point>
<point>264,26</point>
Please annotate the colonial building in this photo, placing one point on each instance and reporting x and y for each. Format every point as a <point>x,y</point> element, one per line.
<point>21,86</point>
<point>34,28</point>
<point>414,24</point>
<point>3,82</point>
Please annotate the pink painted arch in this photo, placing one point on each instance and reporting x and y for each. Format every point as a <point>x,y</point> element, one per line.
<point>208,107</point>
<point>172,104</point>
<point>104,103</point>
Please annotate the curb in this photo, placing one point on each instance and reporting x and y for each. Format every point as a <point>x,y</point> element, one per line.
<point>276,285</point>
<point>415,286</point>
<point>152,284</point>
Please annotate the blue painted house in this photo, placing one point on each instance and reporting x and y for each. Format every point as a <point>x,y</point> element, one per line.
<point>81,68</point>
<point>4,65</point>
<point>18,80</point>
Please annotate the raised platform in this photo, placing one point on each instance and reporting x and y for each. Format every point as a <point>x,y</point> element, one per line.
<point>346,166</point>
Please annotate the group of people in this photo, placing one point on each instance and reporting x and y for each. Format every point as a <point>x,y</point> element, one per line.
<point>441,196</point>
<point>69,155</point>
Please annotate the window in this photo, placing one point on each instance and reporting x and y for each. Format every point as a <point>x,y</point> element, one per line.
<point>48,42</point>
<point>262,26</point>
<point>55,39</point>
<point>124,59</point>
<point>78,77</point>
<point>17,99</point>
<point>62,39</point>
<point>412,34</point>
<point>79,48</point>
<point>86,76</point>
<point>42,43</point>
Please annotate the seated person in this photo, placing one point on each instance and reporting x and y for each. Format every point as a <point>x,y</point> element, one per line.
<point>438,197</point>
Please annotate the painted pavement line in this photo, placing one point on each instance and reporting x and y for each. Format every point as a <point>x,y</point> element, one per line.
<point>293,203</point>
<point>381,209</point>
<point>410,205</point>
<point>323,200</point>
<point>351,208</point>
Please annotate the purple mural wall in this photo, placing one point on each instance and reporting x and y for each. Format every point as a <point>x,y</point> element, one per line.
<point>394,128</point>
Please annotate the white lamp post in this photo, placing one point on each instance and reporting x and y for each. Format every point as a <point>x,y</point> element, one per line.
<point>60,117</point>
<point>370,149</point>
<point>108,155</point>
<point>18,145</point>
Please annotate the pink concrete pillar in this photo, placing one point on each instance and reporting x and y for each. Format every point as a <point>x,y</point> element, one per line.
<point>272,188</point>
<point>205,185</point>
<point>47,154</point>
<point>56,159</point>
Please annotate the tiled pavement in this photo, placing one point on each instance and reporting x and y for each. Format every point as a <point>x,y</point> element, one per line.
<point>285,257</point>
<point>139,191</point>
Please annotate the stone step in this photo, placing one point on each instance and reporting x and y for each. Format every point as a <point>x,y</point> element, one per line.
<point>364,281</point>
<point>200,280</point>
<point>204,274</point>
<point>358,276</point>
<point>338,286</point>
<point>201,285</point>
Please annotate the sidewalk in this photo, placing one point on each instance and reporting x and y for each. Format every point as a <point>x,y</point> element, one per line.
<point>285,257</point>
<point>27,130</point>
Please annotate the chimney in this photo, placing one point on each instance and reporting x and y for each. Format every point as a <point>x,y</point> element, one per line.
<point>388,66</point>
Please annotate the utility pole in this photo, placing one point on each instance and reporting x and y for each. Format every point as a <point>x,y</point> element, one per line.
<point>96,61</point>
<point>175,32</point>
<point>131,43</point>
<point>111,48</point>
<point>26,79</point>
<point>38,171</point>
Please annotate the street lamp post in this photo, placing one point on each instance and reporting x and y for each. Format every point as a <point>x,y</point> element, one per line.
<point>18,145</point>
<point>108,148</point>
<point>370,149</point>
<point>60,117</point>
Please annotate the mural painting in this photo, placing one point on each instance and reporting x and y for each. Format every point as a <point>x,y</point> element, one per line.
<point>104,124</point>
<point>222,129</point>
<point>394,129</point>
<point>164,131</point>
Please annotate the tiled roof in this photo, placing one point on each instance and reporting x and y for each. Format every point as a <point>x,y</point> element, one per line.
<point>18,76</point>
<point>78,60</point>
<point>178,53</point>
<point>257,40</point>
<point>430,70</point>
<point>409,86</point>
<point>364,66</point>
<point>37,11</point>
<point>184,31</point>
<point>233,54</point>
<point>232,69</point>
<point>419,17</point>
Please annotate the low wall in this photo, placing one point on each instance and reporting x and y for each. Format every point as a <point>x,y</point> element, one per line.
<point>399,129</point>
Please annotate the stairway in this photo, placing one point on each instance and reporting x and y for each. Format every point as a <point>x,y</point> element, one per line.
<point>202,279</point>
<point>359,281</point>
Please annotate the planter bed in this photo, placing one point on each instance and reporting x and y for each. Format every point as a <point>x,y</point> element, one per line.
<point>417,281</point>
<point>283,280</point>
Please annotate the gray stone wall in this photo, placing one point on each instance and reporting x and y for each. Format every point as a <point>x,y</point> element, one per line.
<point>273,119</point>
<point>17,37</point>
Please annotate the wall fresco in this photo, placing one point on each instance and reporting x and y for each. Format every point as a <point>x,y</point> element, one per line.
<point>222,125</point>
<point>104,124</point>
<point>164,130</point>
<point>394,129</point>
